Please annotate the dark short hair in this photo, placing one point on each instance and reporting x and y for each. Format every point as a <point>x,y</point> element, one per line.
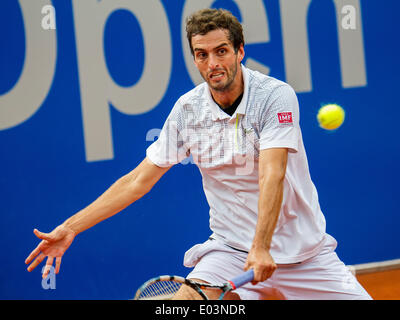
<point>206,20</point>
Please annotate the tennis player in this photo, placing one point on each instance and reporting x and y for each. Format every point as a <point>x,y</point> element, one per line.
<point>241,129</point>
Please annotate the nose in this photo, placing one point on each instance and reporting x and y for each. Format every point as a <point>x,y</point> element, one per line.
<point>213,62</point>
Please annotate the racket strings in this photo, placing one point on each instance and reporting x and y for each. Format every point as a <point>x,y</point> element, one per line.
<point>160,290</point>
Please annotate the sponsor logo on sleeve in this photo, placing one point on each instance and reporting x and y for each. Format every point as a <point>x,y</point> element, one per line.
<point>285,118</point>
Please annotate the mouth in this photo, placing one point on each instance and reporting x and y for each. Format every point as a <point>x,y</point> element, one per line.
<point>215,76</point>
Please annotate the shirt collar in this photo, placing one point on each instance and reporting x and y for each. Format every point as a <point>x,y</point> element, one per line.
<point>241,109</point>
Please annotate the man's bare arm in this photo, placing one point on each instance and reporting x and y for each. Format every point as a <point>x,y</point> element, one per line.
<point>272,169</point>
<point>121,194</point>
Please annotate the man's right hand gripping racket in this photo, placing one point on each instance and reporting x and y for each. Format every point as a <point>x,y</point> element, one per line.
<point>165,287</point>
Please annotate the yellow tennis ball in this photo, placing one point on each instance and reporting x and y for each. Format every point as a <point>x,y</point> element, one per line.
<point>330,116</point>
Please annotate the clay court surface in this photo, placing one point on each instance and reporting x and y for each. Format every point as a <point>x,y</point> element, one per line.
<point>380,279</point>
<point>383,285</point>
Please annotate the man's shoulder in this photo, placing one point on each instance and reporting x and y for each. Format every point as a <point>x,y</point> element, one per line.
<point>194,96</point>
<point>189,102</point>
<point>260,81</point>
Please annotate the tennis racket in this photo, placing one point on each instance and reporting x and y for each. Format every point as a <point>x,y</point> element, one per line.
<point>165,287</point>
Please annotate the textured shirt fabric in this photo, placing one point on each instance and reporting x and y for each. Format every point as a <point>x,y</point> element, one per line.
<point>226,149</point>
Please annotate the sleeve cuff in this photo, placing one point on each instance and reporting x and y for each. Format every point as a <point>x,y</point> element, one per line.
<point>293,147</point>
<point>156,160</point>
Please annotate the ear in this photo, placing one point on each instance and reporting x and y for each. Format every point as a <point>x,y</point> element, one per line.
<point>241,53</point>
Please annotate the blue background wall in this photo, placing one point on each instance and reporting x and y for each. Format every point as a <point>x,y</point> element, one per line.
<point>46,174</point>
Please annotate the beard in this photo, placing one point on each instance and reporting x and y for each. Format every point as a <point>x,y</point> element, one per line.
<point>225,84</point>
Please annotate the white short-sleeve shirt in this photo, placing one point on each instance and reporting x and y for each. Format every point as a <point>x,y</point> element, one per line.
<point>226,150</point>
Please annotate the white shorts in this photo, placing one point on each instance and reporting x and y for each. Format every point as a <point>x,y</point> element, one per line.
<point>323,277</point>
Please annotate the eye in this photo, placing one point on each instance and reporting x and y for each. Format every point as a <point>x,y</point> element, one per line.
<point>221,51</point>
<point>201,55</point>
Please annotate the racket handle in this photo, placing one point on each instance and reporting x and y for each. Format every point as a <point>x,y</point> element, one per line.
<point>242,279</point>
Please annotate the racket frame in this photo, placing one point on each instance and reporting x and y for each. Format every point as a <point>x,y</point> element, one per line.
<point>199,286</point>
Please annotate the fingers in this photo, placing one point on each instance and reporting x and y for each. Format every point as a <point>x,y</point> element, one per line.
<point>262,263</point>
<point>58,264</point>
<point>38,255</point>
<point>43,236</point>
<point>37,250</point>
<point>39,259</point>
<point>33,254</point>
<point>49,264</point>
<point>36,262</point>
<point>263,272</point>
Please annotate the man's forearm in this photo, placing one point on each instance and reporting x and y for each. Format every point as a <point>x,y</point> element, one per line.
<point>269,205</point>
<point>272,170</point>
<point>120,195</point>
